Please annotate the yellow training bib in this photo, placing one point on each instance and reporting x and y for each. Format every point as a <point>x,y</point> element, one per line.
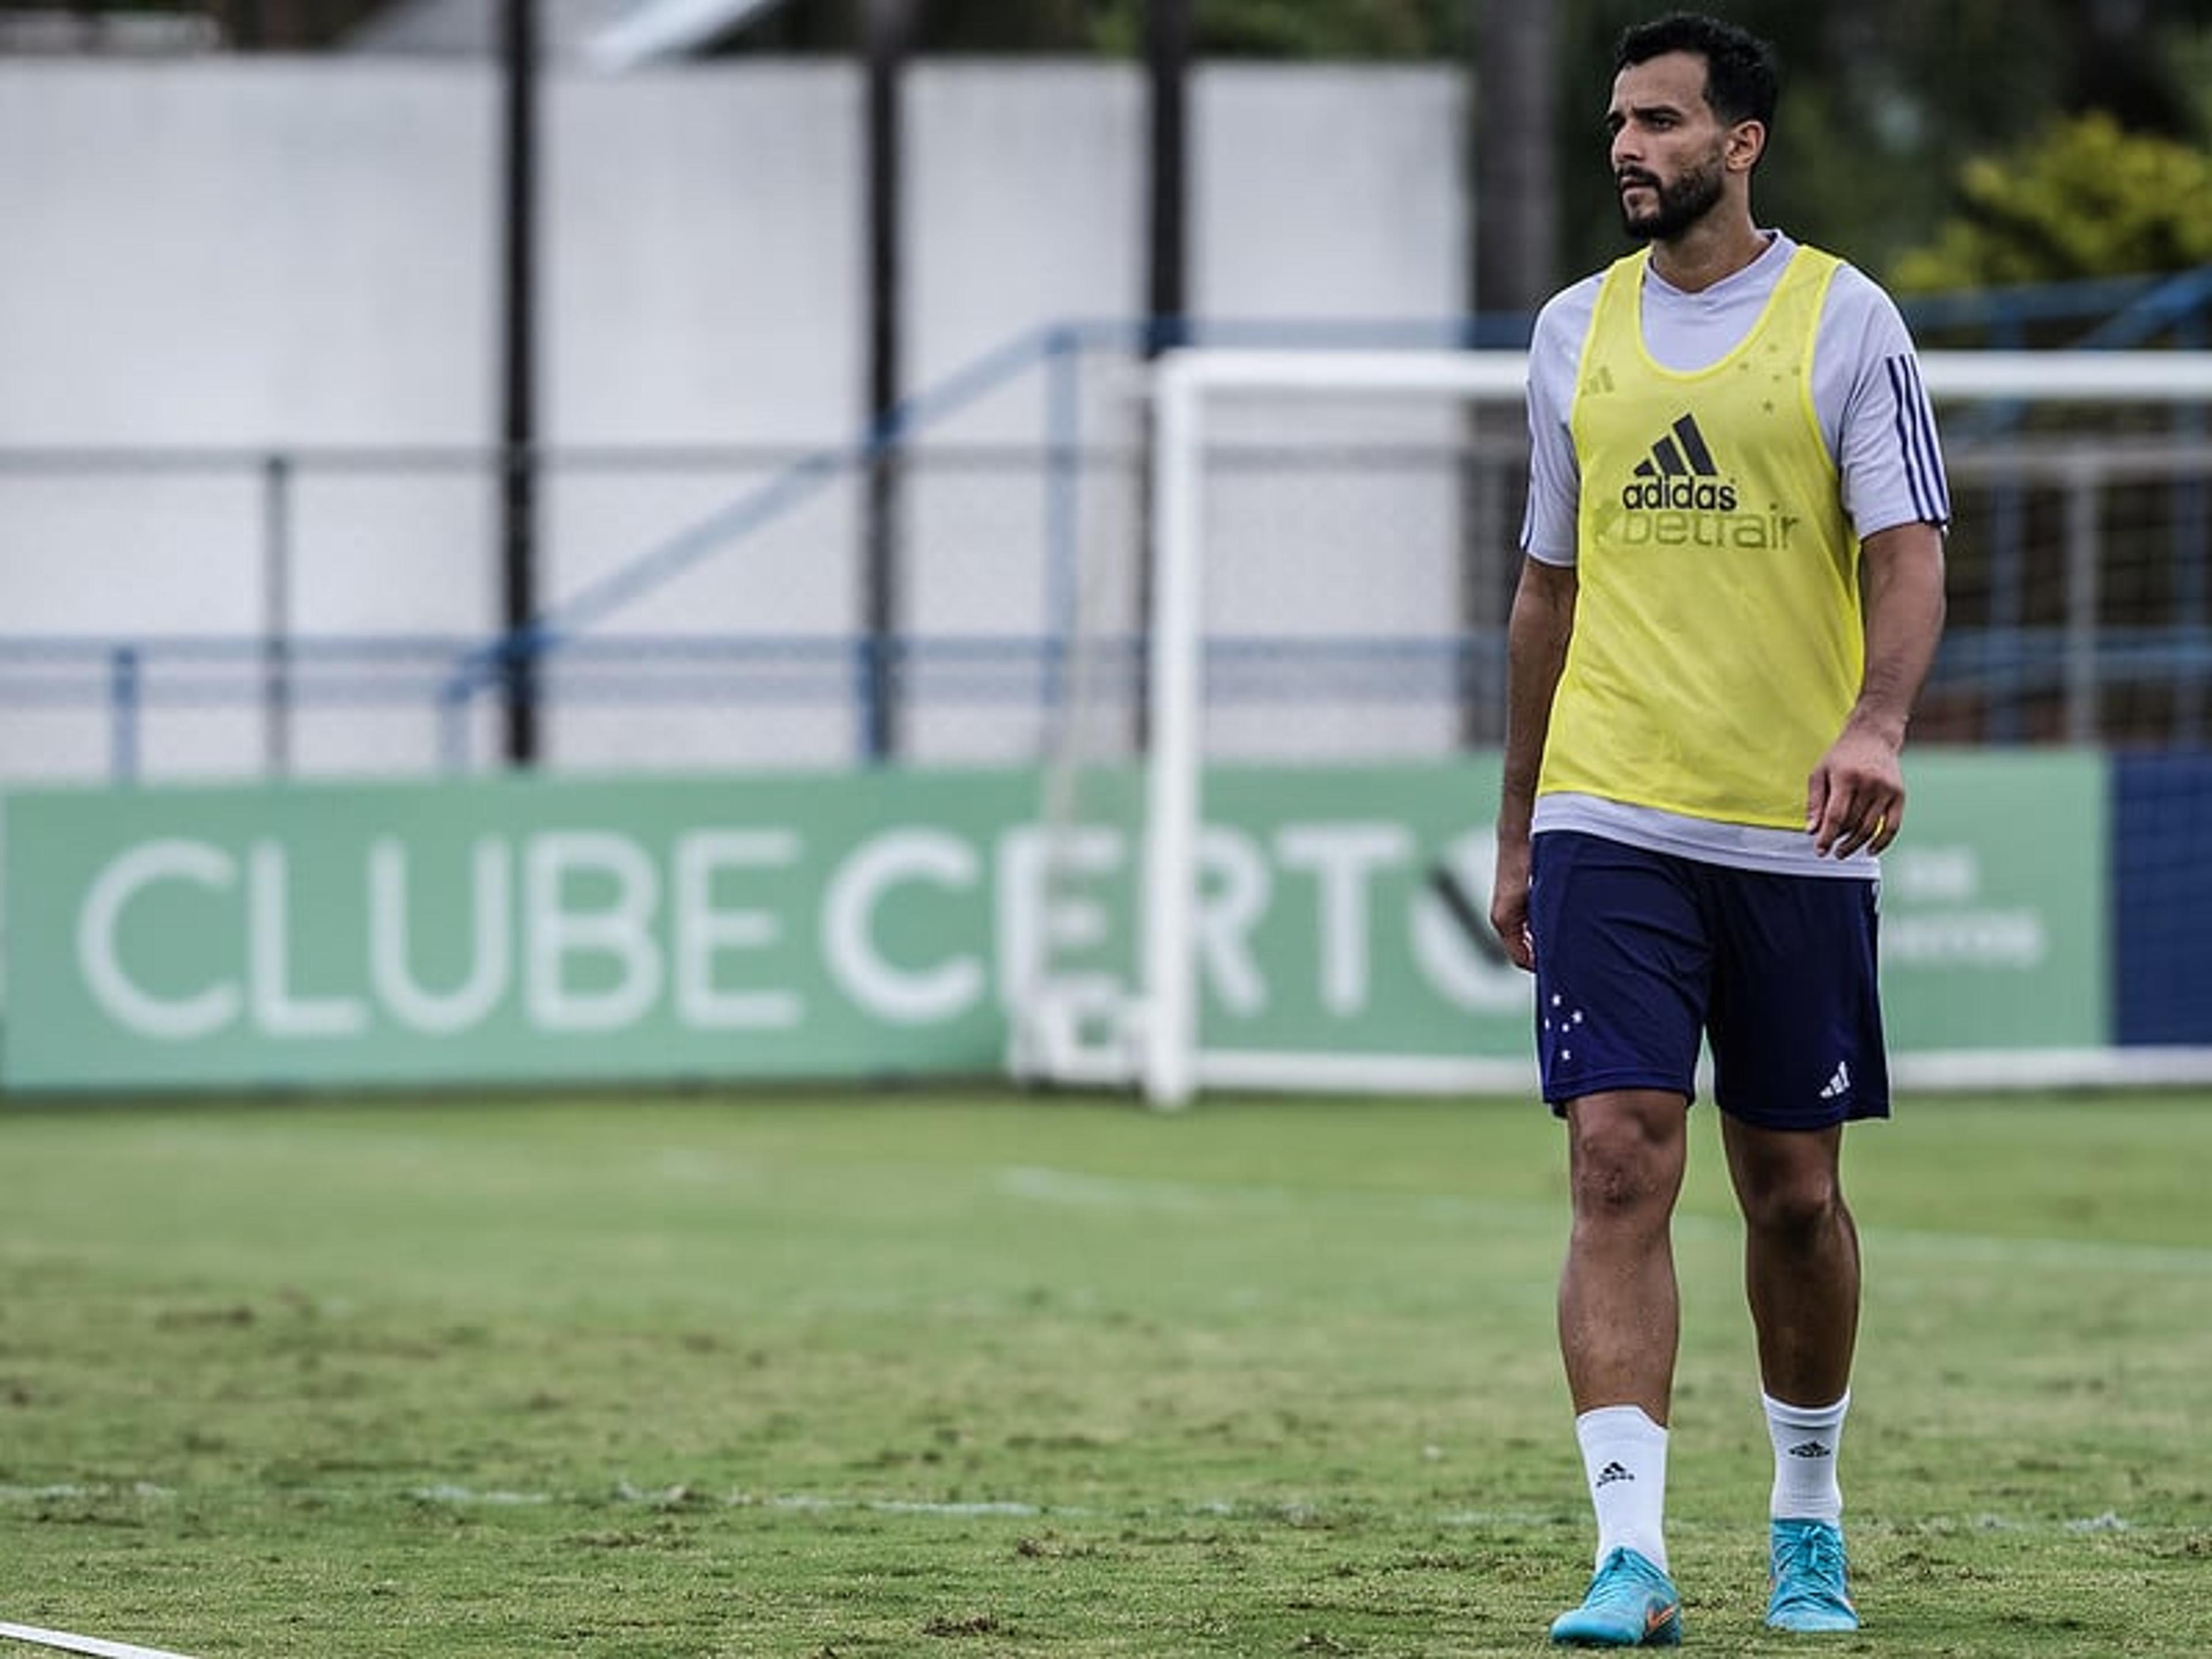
<point>1717,643</point>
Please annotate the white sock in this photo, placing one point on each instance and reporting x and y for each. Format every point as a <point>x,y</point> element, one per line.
<point>1624,1457</point>
<point>1805,1440</point>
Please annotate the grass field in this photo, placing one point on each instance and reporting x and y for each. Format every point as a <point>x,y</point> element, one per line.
<point>819,1377</point>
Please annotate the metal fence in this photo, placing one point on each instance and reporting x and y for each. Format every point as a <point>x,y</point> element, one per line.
<point>282,612</point>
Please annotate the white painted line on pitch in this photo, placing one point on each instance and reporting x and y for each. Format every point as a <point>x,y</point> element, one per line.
<point>1076,1189</point>
<point>93,1645</point>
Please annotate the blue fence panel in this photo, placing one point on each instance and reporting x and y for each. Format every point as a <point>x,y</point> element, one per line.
<point>2162,898</point>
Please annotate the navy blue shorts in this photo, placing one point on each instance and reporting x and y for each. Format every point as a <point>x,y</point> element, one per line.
<point>1639,954</point>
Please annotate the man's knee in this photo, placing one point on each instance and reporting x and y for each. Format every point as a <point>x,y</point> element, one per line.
<point>1794,1199</point>
<point>1788,1183</point>
<point>1626,1154</point>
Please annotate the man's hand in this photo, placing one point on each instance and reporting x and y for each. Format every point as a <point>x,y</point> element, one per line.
<point>1508,902</point>
<point>1855,796</point>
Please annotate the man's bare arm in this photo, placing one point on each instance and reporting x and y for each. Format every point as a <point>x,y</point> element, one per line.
<point>1536,637</point>
<point>1855,797</point>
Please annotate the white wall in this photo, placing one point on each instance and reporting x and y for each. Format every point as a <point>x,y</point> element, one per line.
<point>227,252</point>
<point>232,256</point>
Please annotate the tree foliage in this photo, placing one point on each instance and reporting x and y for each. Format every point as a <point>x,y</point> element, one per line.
<point>1222,28</point>
<point>2084,198</point>
<point>1303,28</point>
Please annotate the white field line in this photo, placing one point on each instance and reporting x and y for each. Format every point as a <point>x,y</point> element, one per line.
<point>1077,1190</point>
<point>93,1645</point>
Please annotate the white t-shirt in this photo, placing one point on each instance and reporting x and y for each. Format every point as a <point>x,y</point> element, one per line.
<point>1873,411</point>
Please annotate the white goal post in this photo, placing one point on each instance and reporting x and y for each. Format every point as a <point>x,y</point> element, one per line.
<point>1154,1040</point>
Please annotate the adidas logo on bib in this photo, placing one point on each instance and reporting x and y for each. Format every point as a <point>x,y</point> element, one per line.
<point>1678,496</point>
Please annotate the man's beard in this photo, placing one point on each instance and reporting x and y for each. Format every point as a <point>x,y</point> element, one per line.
<point>1681,203</point>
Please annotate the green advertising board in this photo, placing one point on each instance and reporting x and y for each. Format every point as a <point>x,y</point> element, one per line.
<point>505,930</point>
<point>859,926</point>
<point>1996,905</point>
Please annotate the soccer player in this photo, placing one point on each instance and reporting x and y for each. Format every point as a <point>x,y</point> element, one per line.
<point>1732,592</point>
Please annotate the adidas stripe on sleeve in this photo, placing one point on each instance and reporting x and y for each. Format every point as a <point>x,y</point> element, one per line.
<point>1866,382</point>
<point>1915,424</point>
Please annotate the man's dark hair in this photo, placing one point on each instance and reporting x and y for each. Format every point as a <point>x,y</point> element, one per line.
<point>1741,79</point>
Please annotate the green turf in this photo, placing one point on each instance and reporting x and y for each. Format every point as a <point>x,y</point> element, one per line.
<point>918,1375</point>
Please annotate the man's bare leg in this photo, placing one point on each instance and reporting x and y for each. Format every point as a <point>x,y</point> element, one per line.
<point>1620,1307</point>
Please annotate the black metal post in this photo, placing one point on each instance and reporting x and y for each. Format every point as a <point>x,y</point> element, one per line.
<point>888,39</point>
<point>1511,84</point>
<point>1167,51</point>
<point>1167,263</point>
<point>1511,163</point>
<point>518,428</point>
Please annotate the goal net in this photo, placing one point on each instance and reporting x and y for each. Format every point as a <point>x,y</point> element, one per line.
<point>1266,838</point>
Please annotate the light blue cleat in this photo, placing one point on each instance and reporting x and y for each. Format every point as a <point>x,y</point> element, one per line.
<point>1806,1569</point>
<point>1630,1604</point>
